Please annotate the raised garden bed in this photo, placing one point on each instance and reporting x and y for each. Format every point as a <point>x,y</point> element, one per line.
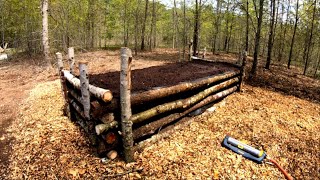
<point>122,107</point>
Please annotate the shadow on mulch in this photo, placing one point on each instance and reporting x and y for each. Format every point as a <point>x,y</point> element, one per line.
<point>287,82</point>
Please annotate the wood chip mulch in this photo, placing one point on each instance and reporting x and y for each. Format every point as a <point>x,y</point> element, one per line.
<point>49,146</point>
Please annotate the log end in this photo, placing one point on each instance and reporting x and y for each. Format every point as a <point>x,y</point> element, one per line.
<point>100,128</point>
<point>84,62</point>
<point>112,154</point>
<point>107,96</point>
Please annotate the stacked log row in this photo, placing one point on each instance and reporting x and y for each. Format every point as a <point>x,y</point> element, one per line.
<point>80,101</point>
<point>109,121</point>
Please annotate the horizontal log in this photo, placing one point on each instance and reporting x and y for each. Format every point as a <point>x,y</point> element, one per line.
<point>100,93</point>
<point>216,61</point>
<point>156,93</point>
<point>181,103</point>
<point>77,108</point>
<point>139,98</point>
<point>75,94</point>
<point>100,128</point>
<point>80,120</point>
<point>153,126</point>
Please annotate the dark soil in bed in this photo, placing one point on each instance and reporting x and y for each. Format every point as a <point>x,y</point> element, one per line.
<point>161,76</point>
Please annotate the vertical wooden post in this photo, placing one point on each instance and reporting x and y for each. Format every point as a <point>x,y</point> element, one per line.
<point>242,69</point>
<point>64,89</point>
<point>125,101</point>
<point>71,59</point>
<point>85,98</point>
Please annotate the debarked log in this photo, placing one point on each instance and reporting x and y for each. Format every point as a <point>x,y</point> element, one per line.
<point>156,93</point>
<point>100,93</point>
<point>100,128</point>
<point>153,126</point>
<point>181,103</point>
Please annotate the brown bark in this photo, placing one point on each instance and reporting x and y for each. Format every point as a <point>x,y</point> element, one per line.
<point>217,25</point>
<point>294,34</point>
<point>144,25</point>
<point>153,126</point>
<point>257,41</point>
<point>125,90</point>
<point>184,31</point>
<point>100,93</point>
<point>136,28</point>
<point>309,44</point>
<point>271,32</point>
<point>196,28</point>
<point>181,103</point>
<point>157,93</point>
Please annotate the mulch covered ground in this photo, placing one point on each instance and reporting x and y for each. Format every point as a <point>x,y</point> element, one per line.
<point>49,146</point>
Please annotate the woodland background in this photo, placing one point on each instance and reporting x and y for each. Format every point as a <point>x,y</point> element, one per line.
<point>286,31</point>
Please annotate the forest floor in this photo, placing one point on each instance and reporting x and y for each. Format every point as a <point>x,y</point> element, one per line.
<point>279,112</point>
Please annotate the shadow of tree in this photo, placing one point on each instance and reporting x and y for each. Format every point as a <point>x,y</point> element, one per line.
<point>288,82</point>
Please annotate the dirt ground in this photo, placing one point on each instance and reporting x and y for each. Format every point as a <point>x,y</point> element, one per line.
<point>278,112</point>
<point>16,79</point>
<point>160,76</point>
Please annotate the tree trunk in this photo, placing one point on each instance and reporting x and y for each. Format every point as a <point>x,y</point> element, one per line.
<point>125,28</point>
<point>217,26</point>
<point>144,25</point>
<point>196,28</point>
<point>184,31</point>
<point>294,34</point>
<point>125,93</point>
<point>306,59</point>
<point>247,26</point>
<point>284,32</point>
<point>226,28</point>
<point>136,28</point>
<point>271,32</point>
<point>45,31</point>
<point>257,41</point>
<point>317,67</point>
<point>153,25</point>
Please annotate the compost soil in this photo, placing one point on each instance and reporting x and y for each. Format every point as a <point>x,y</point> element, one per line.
<point>161,76</point>
<point>284,124</point>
